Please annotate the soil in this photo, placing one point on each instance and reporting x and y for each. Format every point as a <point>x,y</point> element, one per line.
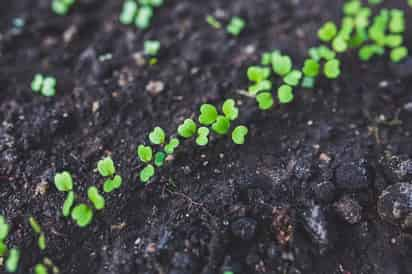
<point>299,197</point>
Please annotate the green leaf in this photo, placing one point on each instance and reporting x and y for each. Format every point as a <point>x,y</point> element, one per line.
<point>159,159</point>
<point>143,17</point>
<point>145,153</point>
<point>3,249</point>
<point>172,145</point>
<point>63,181</point>
<point>264,85</point>
<point>202,138</point>
<point>12,262</point>
<point>311,68</point>
<point>4,228</point>
<point>112,184</point>
<point>397,22</point>
<point>49,86</point>
<point>258,74</point>
<point>352,7</point>
<point>82,215</point>
<point>128,13</point>
<point>239,134</point>
<point>332,69</point>
<point>41,242</point>
<point>265,100</point>
<point>339,44</point>
<point>37,82</point>
<point>398,54</point>
<point>230,110</point>
<point>151,47</point>
<point>40,269</point>
<point>157,136</point>
<point>308,82</point>
<point>187,129</point>
<point>222,125</point>
<point>293,78</point>
<point>282,65</point>
<point>327,32</point>
<point>106,167</point>
<point>208,114</point>
<point>68,204</point>
<point>147,173</point>
<point>34,225</point>
<point>368,51</point>
<point>285,94</point>
<point>236,25</point>
<point>95,197</point>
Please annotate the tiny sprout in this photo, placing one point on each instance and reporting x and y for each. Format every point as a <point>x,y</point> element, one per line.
<point>293,78</point>
<point>12,262</point>
<point>68,204</point>
<point>213,22</point>
<point>187,129</point>
<point>311,68</point>
<point>112,184</point>
<point>95,197</point>
<point>143,17</point>
<point>321,52</point>
<point>147,173</point>
<point>106,167</point>
<point>34,225</point>
<point>257,74</point>
<point>151,47</point>
<point>157,136</point>
<point>4,228</point>
<point>282,65</point>
<point>208,114</point>
<point>45,85</point>
<point>264,85</point>
<point>285,94</point>
<point>222,125</point>
<point>339,44</point>
<point>159,158</point>
<point>40,269</point>
<point>230,110</point>
<point>398,54</point>
<point>41,242</point>
<point>368,51</point>
<point>266,58</point>
<point>202,138</point>
<point>172,145</point>
<point>327,32</point>
<point>61,7</point>
<point>37,82</point>
<point>332,69</point>
<point>397,22</point>
<point>239,134</point>
<point>128,13</point>
<point>82,215</point>
<point>352,7</point>
<point>265,100</point>
<point>3,249</point>
<point>308,82</point>
<point>63,181</point>
<point>236,25</point>
<point>374,2</point>
<point>145,153</point>
<point>393,40</point>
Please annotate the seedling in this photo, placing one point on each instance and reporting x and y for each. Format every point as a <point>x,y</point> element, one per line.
<point>202,138</point>
<point>311,68</point>
<point>281,64</point>
<point>45,85</point>
<point>153,3</point>
<point>213,22</point>
<point>285,94</point>
<point>332,69</point>
<point>95,197</point>
<point>106,167</point>
<point>151,47</point>
<point>68,204</point>
<point>257,74</point>
<point>187,129</point>
<point>397,21</point>
<point>12,262</point>
<point>112,184</point>
<point>145,153</point>
<point>236,25</point>
<point>147,173</point>
<point>308,82</point>
<point>352,7</point>
<point>222,125</point>
<point>159,158</point>
<point>293,78</point>
<point>171,146</point>
<point>265,100</point>
<point>82,215</point>
<point>264,85</point>
<point>62,7</point>
<point>40,269</point>
<point>239,135</point>
<point>398,54</point>
<point>63,181</point>
<point>327,32</point>
<point>208,114</point>
<point>4,228</point>
<point>129,12</point>
<point>339,44</point>
<point>157,136</point>
<point>321,52</point>
<point>368,51</point>
<point>41,241</point>
<point>230,110</point>
<point>144,17</point>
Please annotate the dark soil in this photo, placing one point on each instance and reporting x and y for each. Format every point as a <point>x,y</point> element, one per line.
<point>300,197</point>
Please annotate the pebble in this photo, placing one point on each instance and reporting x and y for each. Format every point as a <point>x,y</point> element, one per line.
<point>395,204</point>
<point>244,228</point>
<point>349,210</point>
<point>324,191</point>
<point>314,222</point>
<point>155,87</point>
<point>353,176</point>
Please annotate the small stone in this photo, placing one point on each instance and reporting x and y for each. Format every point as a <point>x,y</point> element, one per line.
<point>41,188</point>
<point>155,87</point>
<point>353,176</point>
<point>324,191</point>
<point>349,210</point>
<point>395,203</point>
<point>244,228</point>
<point>314,221</point>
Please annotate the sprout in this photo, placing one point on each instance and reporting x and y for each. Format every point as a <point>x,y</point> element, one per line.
<point>339,44</point>
<point>293,78</point>
<point>352,7</point>
<point>187,129</point>
<point>282,65</point>
<point>95,197</point>
<point>397,22</point>
<point>3,249</point>
<point>4,228</point>
<point>308,82</point>
<point>332,69</point>
<point>321,52</point>
<point>153,3</point>
<point>61,7</point>
<point>112,184</point>
<point>208,114</point>
<point>106,167</point>
<point>37,82</point>
<point>327,32</point>
<point>128,13</point>
<point>68,204</point>
<point>230,110</point>
<point>265,100</point>
<point>257,74</point>
<point>41,242</point>
<point>398,54</point>
<point>45,85</point>
<point>147,173</point>
<point>82,215</point>
<point>40,269</point>
<point>393,40</point>
<point>222,125</point>
<point>213,22</point>
<point>63,181</point>
<point>377,30</point>
<point>143,17</point>
<point>145,153</point>
<point>159,158</point>
<point>264,85</point>
<point>34,225</point>
<point>311,68</point>
<point>157,136</point>
<point>151,47</point>
<point>202,138</point>
<point>236,25</point>
<point>285,94</point>
<point>12,262</point>
<point>172,145</point>
<point>239,134</point>
<point>368,51</point>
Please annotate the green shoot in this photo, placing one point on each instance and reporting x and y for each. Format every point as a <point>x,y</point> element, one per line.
<point>129,12</point>
<point>106,167</point>
<point>3,249</point>
<point>41,242</point>
<point>352,7</point>
<point>68,204</point>
<point>151,47</point>
<point>112,184</point>
<point>264,85</point>
<point>332,69</point>
<point>327,32</point>
<point>339,44</point>
<point>398,54</point>
<point>40,269</point>
<point>45,85</point>
<point>171,146</point>
<point>239,135</point>
<point>82,215</point>
<point>311,68</point>
<point>4,228</point>
<point>236,25</point>
<point>293,78</point>
<point>265,100</point>
<point>145,153</point>
<point>159,158</point>
<point>35,225</point>
<point>62,7</point>
<point>213,22</point>
<point>368,51</point>
<point>257,74</point>
<point>397,22</point>
<point>63,181</point>
<point>12,262</point>
<point>202,138</point>
<point>157,136</point>
<point>147,173</point>
<point>282,65</point>
<point>222,125</point>
<point>153,3</point>
<point>208,114</point>
<point>144,17</point>
<point>187,129</point>
<point>95,197</point>
<point>285,94</point>
<point>230,110</point>
<point>308,82</point>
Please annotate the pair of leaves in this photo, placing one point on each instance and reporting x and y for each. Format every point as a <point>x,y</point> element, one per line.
<point>106,167</point>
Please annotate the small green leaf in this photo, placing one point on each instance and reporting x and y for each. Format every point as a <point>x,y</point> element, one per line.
<point>106,167</point>
<point>63,181</point>
<point>95,197</point>
<point>257,74</point>
<point>239,134</point>
<point>3,249</point>
<point>145,153</point>
<point>147,173</point>
<point>128,13</point>
<point>12,262</point>
<point>235,26</point>
<point>40,269</point>
<point>285,94</point>
<point>352,7</point>
<point>222,125</point>
<point>293,78</point>
<point>159,159</point>
<point>68,204</point>
<point>311,68</point>
<point>49,86</point>
<point>143,17</point>
<point>172,145</point>
<point>41,242</point>
<point>308,82</point>
<point>265,100</point>
<point>187,129</point>
<point>282,65</point>
<point>398,54</point>
<point>157,136</point>
<point>112,184</point>
<point>202,138</point>
<point>230,110</point>
<point>4,228</point>
<point>327,32</point>
<point>332,69</point>
<point>264,85</point>
<point>213,22</point>
<point>208,114</point>
<point>339,44</point>
<point>37,82</point>
<point>34,225</point>
<point>82,215</point>
<point>151,47</point>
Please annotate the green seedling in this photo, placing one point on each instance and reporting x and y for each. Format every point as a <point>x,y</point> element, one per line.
<point>222,125</point>
<point>144,17</point>
<point>208,114</point>
<point>327,32</point>
<point>321,52</point>
<point>187,129</point>
<point>398,54</point>
<point>106,167</point>
<point>293,78</point>
<point>12,262</point>
<point>202,137</point>
<point>129,11</point>
<point>352,7</point>
<point>265,100</point>
<point>68,204</point>
<point>35,225</point>
<point>151,47</point>
<point>257,74</point>
<point>4,228</point>
<point>82,215</point>
<point>332,69</point>
<point>62,7</point>
<point>230,110</point>
<point>157,136</point>
<point>368,51</point>
<point>308,82</point>
<point>63,181</point>
<point>397,21</point>
<point>147,173</point>
<point>264,85</point>
<point>95,197</point>
<point>311,68</point>
<point>266,58</point>
<point>171,146</point>
<point>236,25</point>
<point>285,94</point>
<point>145,153</point>
<point>41,242</point>
<point>3,249</point>
<point>40,269</point>
<point>281,64</point>
<point>239,135</point>
<point>112,184</point>
<point>377,31</point>
<point>159,158</point>
<point>45,85</point>
<point>375,2</point>
<point>339,44</point>
<point>153,3</point>
<point>213,22</point>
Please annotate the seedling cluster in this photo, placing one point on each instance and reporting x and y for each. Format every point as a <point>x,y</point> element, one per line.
<point>45,85</point>
<point>62,7</point>
<point>12,255</point>
<point>139,12</point>
<point>234,27</point>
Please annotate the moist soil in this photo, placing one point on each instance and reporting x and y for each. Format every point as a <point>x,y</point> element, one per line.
<point>299,197</point>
